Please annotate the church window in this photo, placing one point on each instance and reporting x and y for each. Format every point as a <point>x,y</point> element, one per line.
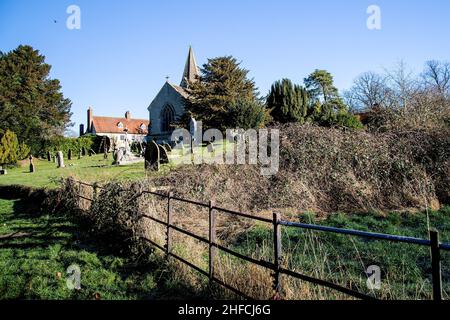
<point>167,117</point>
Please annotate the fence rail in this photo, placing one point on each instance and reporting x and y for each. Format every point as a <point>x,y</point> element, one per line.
<point>276,265</point>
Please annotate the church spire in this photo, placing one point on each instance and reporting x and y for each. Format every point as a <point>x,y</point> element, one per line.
<point>190,70</point>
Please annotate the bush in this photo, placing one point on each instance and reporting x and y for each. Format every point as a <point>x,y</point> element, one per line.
<point>75,144</point>
<point>10,149</point>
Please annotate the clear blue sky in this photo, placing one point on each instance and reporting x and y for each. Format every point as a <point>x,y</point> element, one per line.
<point>119,59</point>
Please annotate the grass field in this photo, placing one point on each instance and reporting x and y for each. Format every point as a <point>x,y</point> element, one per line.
<point>36,250</point>
<point>405,269</point>
<point>93,168</point>
<point>89,169</point>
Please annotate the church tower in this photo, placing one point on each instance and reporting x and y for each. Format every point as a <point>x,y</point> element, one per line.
<point>191,72</point>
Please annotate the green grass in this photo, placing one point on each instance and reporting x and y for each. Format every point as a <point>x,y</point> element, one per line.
<point>89,169</point>
<point>405,268</point>
<point>36,250</point>
<point>93,168</point>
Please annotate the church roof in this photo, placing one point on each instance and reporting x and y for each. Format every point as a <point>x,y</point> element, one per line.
<point>182,91</point>
<point>117,125</point>
<point>190,70</point>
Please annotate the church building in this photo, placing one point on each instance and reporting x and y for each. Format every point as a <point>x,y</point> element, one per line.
<point>168,105</point>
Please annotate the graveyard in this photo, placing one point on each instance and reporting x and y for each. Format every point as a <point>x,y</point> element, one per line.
<point>94,168</point>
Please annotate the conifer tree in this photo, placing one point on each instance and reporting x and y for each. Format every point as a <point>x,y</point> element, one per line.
<point>222,84</point>
<point>287,102</point>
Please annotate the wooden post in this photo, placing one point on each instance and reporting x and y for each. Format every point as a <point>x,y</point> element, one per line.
<point>79,195</point>
<point>169,223</point>
<point>277,254</point>
<point>436,265</point>
<point>95,191</point>
<point>212,239</point>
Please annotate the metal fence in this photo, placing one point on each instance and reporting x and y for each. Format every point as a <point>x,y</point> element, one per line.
<point>276,265</point>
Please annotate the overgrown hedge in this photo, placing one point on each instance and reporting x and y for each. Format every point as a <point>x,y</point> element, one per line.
<point>75,144</point>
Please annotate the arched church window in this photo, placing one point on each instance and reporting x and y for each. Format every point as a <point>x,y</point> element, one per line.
<point>167,117</point>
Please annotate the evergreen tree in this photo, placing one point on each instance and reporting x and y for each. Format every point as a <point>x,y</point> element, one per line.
<point>247,115</point>
<point>31,104</point>
<point>320,86</point>
<point>287,102</point>
<point>222,84</point>
<point>10,149</point>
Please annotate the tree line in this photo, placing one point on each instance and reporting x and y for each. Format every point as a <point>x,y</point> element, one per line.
<point>34,111</point>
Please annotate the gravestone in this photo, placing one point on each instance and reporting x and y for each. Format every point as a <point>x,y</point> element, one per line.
<point>118,155</point>
<point>69,154</point>
<point>152,156</point>
<point>2,171</point>
<point>49,156</point>
<point>60,159</point>
<point>163,155</point>
<point>31,164</point>
<point>168,147</point>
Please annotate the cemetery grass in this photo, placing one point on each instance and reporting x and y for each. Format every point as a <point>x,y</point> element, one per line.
<point>36,250</point>
<point>88,169</point>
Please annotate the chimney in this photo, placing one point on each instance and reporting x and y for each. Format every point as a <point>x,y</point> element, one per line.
<point>128,115</point>
<point>81,130</point>
<point>90,118</point>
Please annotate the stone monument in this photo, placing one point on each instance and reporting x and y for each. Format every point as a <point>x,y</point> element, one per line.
<point>60,159</point>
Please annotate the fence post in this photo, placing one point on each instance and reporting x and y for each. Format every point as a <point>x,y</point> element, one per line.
<point>277,254</point>
<point>212,239</point>
<point>169,223</point>
<point>436,265</point>
<point>79,195</point>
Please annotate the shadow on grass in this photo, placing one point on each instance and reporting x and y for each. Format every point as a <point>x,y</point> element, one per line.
<point>39,231</point>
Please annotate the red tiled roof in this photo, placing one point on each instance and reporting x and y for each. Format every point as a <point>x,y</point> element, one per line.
<point>110,125</point>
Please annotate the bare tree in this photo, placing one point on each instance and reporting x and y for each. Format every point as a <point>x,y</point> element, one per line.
<point>436,76</point>
<point>403,85</point>
<point>369,90</point>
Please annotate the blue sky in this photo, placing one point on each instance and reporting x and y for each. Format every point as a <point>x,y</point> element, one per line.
<point>120,57</point>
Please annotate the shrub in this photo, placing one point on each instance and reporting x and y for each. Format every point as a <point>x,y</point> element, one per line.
<point>10,149</point>
<point>75,144</point>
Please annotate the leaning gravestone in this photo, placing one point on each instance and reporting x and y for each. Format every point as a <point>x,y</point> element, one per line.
<point>152,156</point>
<point>168,147</point>
<point>60,159</point>
<point>49,156</point>
<point>163,155</point>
